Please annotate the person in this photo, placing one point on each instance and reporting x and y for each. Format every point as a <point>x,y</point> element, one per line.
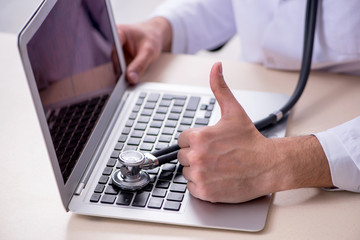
<point>231,161</point>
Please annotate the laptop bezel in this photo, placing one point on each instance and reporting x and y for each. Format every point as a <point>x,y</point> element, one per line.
<point>90,153</point>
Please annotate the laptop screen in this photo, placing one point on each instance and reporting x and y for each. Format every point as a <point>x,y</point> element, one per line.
<point>76,66</point>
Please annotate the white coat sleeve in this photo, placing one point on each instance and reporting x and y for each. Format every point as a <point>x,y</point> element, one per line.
<point>341,145</point>
<point>198,24</point>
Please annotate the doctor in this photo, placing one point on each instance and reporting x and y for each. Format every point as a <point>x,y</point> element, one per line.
<point>231,161</point>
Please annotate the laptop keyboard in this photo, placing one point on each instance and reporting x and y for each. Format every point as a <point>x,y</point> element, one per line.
<point>155,122</point>
<point>70,127</point>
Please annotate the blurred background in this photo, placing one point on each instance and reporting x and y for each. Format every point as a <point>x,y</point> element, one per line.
<point>15,13</point>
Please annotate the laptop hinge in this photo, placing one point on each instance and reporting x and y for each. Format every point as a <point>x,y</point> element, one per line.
<point>79,188</point>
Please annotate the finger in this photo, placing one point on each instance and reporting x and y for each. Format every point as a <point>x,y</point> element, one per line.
<point>223,94</point>
<point>183,139</point>
<point>182,157</point>
<point>139,64</point>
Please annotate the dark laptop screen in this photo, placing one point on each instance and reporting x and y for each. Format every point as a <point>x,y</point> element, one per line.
<point>75,65</point>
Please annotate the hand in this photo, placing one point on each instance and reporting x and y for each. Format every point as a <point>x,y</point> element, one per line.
<point>142,44</point>
<point>233,162</point>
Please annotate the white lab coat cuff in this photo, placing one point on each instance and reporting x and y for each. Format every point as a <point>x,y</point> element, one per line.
<point>344,172</point>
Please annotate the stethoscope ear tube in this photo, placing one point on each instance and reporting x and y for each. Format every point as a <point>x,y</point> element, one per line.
<point>309,33</point>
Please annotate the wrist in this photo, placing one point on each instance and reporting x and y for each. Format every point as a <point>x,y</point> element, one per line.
<point>301,162</point>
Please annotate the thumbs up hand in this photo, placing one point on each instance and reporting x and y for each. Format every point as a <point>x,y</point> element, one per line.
<point>232,162</point>
<point>227,162</point>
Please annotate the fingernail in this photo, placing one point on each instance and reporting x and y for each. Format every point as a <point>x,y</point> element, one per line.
<point>220,68</point>
<point>133,77</point>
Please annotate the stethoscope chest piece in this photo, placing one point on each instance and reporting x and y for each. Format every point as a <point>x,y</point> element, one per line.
<point>130,175</point>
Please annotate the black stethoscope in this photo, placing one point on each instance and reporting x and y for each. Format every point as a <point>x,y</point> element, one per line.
<point>130,175</point>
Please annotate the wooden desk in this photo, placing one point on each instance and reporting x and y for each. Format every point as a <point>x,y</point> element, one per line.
<point>30,204</point>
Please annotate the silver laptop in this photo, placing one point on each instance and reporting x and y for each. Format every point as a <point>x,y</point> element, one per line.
<point>89,114</point>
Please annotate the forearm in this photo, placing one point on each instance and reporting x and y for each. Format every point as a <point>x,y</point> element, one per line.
<point>301,162</point>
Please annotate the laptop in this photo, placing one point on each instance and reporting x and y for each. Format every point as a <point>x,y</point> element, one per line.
<point>89,114</point>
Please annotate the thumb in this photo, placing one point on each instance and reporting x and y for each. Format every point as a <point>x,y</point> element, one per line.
<point>223,94</point>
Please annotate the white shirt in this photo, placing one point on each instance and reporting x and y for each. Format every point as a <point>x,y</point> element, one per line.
<point>271,33</point>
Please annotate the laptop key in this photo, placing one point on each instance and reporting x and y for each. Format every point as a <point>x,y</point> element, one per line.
<point>208,114</point>
<point>143,119</point>
<point>193,103</point>
<point>119,146</point>
<point>165,103</point>
<point>163,184</point>
<point>150,105</point>
<point>182,128</point>
<point>148,188</point>
<point>124,198</point>
<point>173,196</point>
<point>130,147</point>
<point>107,171</point>
<point>189,114</point>
<point>176,109</point>
<point>174,116</point>
<point>159,192</point>
<point>202,121</point>
<point>112,190</point>
<point>146,147</point>
<point>140,126</point>
<point>122,138</point>
<point>161,145</point>
<point>111,162</point>
<point>166,175</point>
<point>172,206</point>
<point>147,112</point>
<point>108,199</point>
<point>95,197</point>
<point>176,187</point>
<point>162,110</point>
<point>99,188</point>
<point>168,131</point>
<point>168,167</point>
<point>159,117</point>
<point>165,138</point>
<point>179,102</point>
<point>141,199</point>
<point>133,116</point>
<point>179,178</point>
<point>156,124</point>
<point>126,130</point>
<point>171,123</point>
<point>139,101</point>
<point>186,121</point>
<point>137,134</point>
<point>171,97</point>
<point>153,131</point>
<point>134,141</point>
<point>150,139</point>
<point>155,202</point>
<point>153,97</point>
<point>103,179</point>
<point>142,95</point>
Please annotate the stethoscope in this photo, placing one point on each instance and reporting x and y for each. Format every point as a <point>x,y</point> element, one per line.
<point>131,175</point>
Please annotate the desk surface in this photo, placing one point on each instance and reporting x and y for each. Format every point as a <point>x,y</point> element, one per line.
<point>30,204</point>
